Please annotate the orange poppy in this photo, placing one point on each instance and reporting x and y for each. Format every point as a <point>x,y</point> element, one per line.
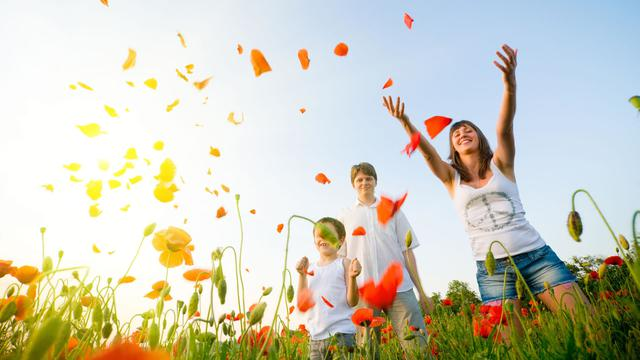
<point>260,64</point>
<point>381,296</point>
<point>359,231</point>
<point>126,279</point>
<point>303,56</point>
<point>341,49</point>
<point>25,274</point>
<point>24,307</point>
<point>129,351</point>
<point>322,178</point>
<point>387,208</point>
<point>5,267</point>
<point>197,274</point>
<point>174,247</point>
<point>305,300</point>
<point>436,124</point>
<point>157,288</point>
<point>364,317</point>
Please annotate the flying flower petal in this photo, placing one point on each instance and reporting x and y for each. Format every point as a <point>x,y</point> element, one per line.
<point>173,104</point>
<point>329,304</point>
<point>214,151</point>
<point>114,184</point>
<point>202,84</point>
<point>130,83</point>
<point>184,44</point>
<point>111,111</point>
<point>252,211</point>
<point>260,64</point>
<point>182,76</point>
<point>131,154</point>
<point>240,50</point>
<point>341,49</point>
<point>167,171</point>
<point>125,208</point>
<point>303,110</point>
<point>359,231</point>
<point>103,165</point>
<point>164,191</point>
<point>221,212</point>
<point>381,296</point>
<point>91,130</point>
<point>126,279</point>
<point>130,61</point>
<point>387,208</point>
<point>135,179</point>
<point>189,68</point>
<point>279,228</point>
<point>408,20</point>
<point>85,86</point>
<point>413,144</point>
<point>158,145</point>
<point>436,124</point>
<point>94,189</point>
<point>75,179</point>
<point>232,119</point>
<point>94,211</point>
<point>197,274</point>
<point>305,300</point>
<point>322,178</point>
<point>224,187</point>
<point>303,56</point>
<point>72,167</point>
<point>105,2</point>
<point>48,187</point>
<point>151,83</point>
<point>387,84</point>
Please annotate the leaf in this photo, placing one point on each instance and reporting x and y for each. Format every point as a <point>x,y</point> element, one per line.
<point>184,44</point>
<point>158,145</point>
<point>341,49</point>
<point>322,178</point>
<point>635,101</point>
<point>240,50</point>
<point>111,111</point>
<point>359,231</point>
<point>436,124</point>
<point>260,64</point>
<point>130,61</point>
<point>94,211</point>
<point>387,84</point>
<point>91,130</point>
<point>85,86</point>
<point>181,75</point>
<point>151,83</point>
<point>72,167</point>
<point>189,68</point>
<point>408,21</point>
<point>303,56</point>
<point>232,119</point>
<point>173,104</point>
<point>202,84</point>
<point>131,154</point>
<point>214,151</point>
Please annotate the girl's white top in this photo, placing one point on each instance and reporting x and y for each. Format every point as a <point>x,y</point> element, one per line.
<point>322,320</point>
<point>495,212</point>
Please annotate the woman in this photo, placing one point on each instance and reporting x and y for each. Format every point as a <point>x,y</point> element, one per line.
<point>482,185</point>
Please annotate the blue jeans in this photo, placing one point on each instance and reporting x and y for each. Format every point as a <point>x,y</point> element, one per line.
<point>537,267</point>
<point>319,349</point>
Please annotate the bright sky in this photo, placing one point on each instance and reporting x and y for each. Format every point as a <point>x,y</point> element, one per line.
<point>574,127</point>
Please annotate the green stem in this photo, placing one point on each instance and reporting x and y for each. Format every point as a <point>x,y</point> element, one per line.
<point>239,266</point>
<point>132,261</point>
<point>633,226</point>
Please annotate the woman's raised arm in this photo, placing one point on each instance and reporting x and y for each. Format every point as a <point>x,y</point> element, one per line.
<point>506,150</point>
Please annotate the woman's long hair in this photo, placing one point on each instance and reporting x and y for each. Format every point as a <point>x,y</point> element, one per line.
<point>486,154</point>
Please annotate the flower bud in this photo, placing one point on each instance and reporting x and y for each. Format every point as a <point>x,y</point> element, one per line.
<point>601,270</point>
<point>267,291</point>
<point>193,304</point>
<point>290,293</point>
<point>149,229</point>
<point>106,330</point>
<point>47,264</point>
<point>154,335</point>
<point>257,313</point>
<point>222,290</point>
<point>574,224</point>
<point>490,263</point>
<point>519,287</point>
<point>408,239</point>
<point>623,242</point>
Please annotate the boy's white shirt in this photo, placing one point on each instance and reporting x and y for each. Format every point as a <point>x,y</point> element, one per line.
<point>380,246</point>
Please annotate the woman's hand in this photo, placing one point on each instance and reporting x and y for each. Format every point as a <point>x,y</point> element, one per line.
<point>508,67</point>
<point>302,266</point>
<point>397,110</point>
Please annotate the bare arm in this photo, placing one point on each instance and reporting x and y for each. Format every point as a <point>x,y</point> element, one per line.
<point>352,270</point>
<point>425,301</point>
<point>506,149</point>
<point>440,169</point>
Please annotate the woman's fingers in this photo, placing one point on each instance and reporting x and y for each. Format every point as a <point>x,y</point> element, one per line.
<point>502,68</point>
<point>402,110</point>
<point>506,61</point>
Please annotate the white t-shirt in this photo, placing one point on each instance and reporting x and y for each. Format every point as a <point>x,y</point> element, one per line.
<point>382,244</point>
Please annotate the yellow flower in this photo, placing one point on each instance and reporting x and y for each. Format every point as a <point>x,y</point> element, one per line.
<point>157,288</point>
<point>174,247</point>
<point>26,274</point>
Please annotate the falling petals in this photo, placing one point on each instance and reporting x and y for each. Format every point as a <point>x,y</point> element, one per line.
<point>130,61</point>
<point>75,179</point>
<point>135,179</point>
<point>130,83</point>
<point>94,211</point>
<point>131,154</point>
<point>260,64</point>
<point>413,144</point>
<point>329,304</point>
<point>189,68</point>
<point>305,300</point>
<point>436,124</point>
<point>341,49</point>
<point>279,228</point>
<point>151,83</point>
<point>91,130</point>
<point>303,56</point>
<point>303,110</point>
<point>214,151</point>
<point>48,187</point>
<point>252,211</point>
<point>167,171</point>
<point>202,84</point>
<point>182,76</point>
<point>158,145</point>
<point>173,104</point>
<point>72,167</point>
<point>221,212</point>
<point>105,2</point>
<point>322,178</point>
<point>182,42</point>
<point>114,184</point>
<point>85,86</point>
<point>94,189</point>
<point>125,209</point>
<point>111,111</point>
<point>224,188</point>
<point>231,118</point>
<point>387,208</point>
<point>240,50</point>
<point>387,84</point>
<point>126,279</point>
<point>164,192</point>
<point>359,231</point>
<point>408,21</point>
<point>103,165</point>
<point>381,296</point>
<point>95,249</point>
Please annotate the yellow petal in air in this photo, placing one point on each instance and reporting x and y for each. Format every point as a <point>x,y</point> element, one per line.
<point>72,166</point>
<point>103,165</point>
<point>151,83</point>
<point>94,211</point>
<point>158,145</point>
<point>189,68</point>
<point>167,171</point>
<point>111,111</point>
<point>91,130</point>
<point>130,83</point>
<point>209,171</point>
<point>131,154</point>
<point>94,189</point>
<point>214,151</point>
<point>72,87</point>
<point>128,165</point>
<point>181,75</point>
<point>125,208</point>
<point>48,187</point>
<point>147,161</point>
<point>224,187</point>
<point>202,84</point>
<point>95,249</point>
<point>233,120</point>
<point>172,105</point>
<point>114,184</point>
<point>164,191</point>
<point>130,61</point>
<point>136,179</point>
<point>85,86</point>
<point>120,172</point>
<point>184,44</point>
<point>75,179</point>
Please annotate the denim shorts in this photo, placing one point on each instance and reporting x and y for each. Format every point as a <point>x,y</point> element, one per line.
<point>319,349</point>
<point>537,267</point>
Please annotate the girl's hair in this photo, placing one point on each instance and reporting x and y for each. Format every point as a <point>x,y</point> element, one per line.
<point>486,154</point>
<point>336,224</point>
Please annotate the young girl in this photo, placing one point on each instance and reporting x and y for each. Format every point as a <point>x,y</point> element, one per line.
<point>332,281</point>
<point>482,185</point>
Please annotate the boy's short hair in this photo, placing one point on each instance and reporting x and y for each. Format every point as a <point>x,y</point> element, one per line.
<point>366,169</point>
<point>336,224</point>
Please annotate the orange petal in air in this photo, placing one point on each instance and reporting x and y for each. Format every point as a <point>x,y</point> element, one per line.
<point>303,56</point>
<point>359,231</point>
<point>322,178</point>
<point>260,64</point>
<point>341,49</point>
<point>387,84</point>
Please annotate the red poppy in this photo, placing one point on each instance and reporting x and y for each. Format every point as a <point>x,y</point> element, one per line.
<point>594,275</point>
<point>322,178</point>
<point>364,317</point>
<point>482,328</point>
<point>387,208</point>
<point>436,124</point>
<point>447,302</point>
<point>127,350</point>
<point>413,144</point>
<point>236,318</point>
<point>497,316</point>
<point>408,20</point>
<point>427,319</point>
<point>305,300</point>
<point>359,231</point>
<point>387,84</point>
<point>326,302</point>
<point>279,228</point>
<point>258,339</point>
<point>614,260</point>
<point>472,306</point>
<point>524,312</point>
<point>381,296</point>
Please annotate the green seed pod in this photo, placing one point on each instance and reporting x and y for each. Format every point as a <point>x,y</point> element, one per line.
<point>179,304</point>
<point>75,275</point>
<point>8,311</point>
<point>106,330</point>
<point>193,304</point>
<point>257,313</point>
<point>267,291</point>
<point>10,292</point>
<point>490,263</point>
<point>47,264</point>
<point>184,310</point>
<point>206,337</point>
<point>574,224</point>
<point>290,293</point>
<point>172,331</point>
<point>43,230</point>
<point>149,229</point>
<point>43,339</point>
<point>222,291</point>
<point>77,312</point>
<point>225,329</point>
<point>154,335</point>
<point>623,242</point>
<point>63,338</point>
<point>60,254</point>
<point>410,336</point>
<point>237,197</point>
<point>519,288</point>
<point>222,318</point>
<point>408,239</point>
<point>96,317</point>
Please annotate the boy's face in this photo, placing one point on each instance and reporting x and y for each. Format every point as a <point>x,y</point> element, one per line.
<point>324,247</point>
<point>364,184</point>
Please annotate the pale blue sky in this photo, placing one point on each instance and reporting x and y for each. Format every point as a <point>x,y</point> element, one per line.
<point>574,127</point>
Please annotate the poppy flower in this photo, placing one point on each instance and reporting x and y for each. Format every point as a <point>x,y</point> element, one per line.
<point>126,279</point>
<point>472,307</point>
<point>279,228</point>
<point>129,351</point>
<point>359,231</point>
<point>413,144</point>
<point>387,84</point>
<point>427,319</point>
<point>341,49</point>
<point>496,315</point>
<point>381,296</point>
<point>387,208</point>
<point>322,178</point>
<point>364,317</point>
<point>24,306</point>
<point>305,300</point>
<point>25,274</point>
<point>197,274</point>
<point>157,288</point>
<point>303,56</point>
<point>408,20</point>
<point>5,267</point>
<point>236,318</point>
<point>329,304</point>
<point>482,328</point>
<point>258,339</point>
<point>436,124</point>
<point>594,275</point>
<point>447,302</point>
<point>174,247</point>
<point>524,312</point>
<point>259,63</point>
<point>614,260</point>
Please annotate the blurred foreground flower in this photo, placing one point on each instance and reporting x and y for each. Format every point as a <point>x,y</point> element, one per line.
<point>174,247</point>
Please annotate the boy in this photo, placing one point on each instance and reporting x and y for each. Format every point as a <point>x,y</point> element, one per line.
<point>332,281</point>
